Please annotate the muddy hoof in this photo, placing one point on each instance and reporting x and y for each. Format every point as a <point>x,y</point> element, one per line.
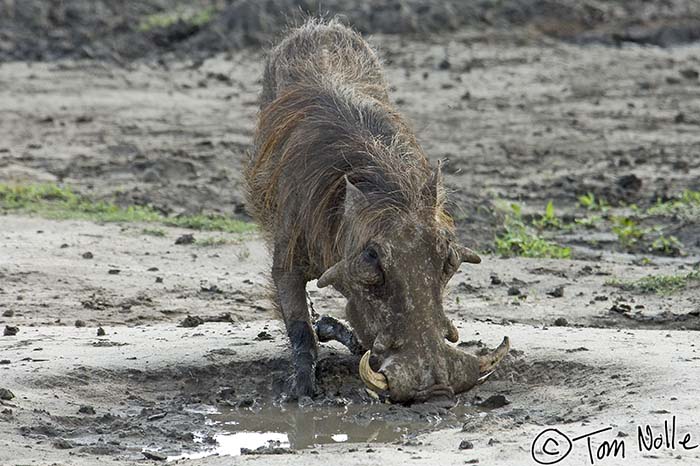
<point>303,386</point>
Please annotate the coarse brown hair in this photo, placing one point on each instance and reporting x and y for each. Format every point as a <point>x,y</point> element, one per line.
<point>325,115</point>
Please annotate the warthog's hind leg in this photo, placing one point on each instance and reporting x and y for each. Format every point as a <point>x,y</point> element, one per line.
<point>330,329</point>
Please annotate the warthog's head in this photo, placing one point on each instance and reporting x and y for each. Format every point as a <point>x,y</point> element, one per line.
<point>394,279</point>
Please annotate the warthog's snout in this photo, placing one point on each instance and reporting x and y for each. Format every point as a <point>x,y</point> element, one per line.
<point>435,375</point>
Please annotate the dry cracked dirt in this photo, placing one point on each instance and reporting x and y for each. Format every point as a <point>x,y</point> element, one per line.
<point>122,347</point>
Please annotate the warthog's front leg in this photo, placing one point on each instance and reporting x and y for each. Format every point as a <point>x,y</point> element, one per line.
<point>329,329</point>
<point>291,297</point>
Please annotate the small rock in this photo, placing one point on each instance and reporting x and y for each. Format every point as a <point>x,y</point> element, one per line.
<point>557,292</point>
<point>10,331</point>
<point>4,361</point>
<point>113,271</point>
<point>88,255</point>
<point>8,313</point>
<point>264,336</point>
<point>159,279</point>
<point>6,395</point>
<point>689,73</point>
<point>191,321</point>
<point>679,118</point>
<point>154,455</point>
<point>187,238</point>
<point>472,461</point>
<point>444,64</point>
<point>514,291</point>
<point>622,434</point>
<point>80,323</point>
<point>86,409</point>
<point>466,445</point>
<point>561,322</point>
<point>493,441</point>
<point>495,280</point>
<point>495,402</point>
<point>101,332</point>
<point>466,96</point>
<point>672,80</point>
<point>64,246</point>
<point>152,269</point>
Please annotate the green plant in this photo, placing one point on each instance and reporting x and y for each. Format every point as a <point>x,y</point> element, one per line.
<point>195,18</point>
<point>159,232</point>
<point>686,204</point>
<point>549,219</point>
<point>628,232</point>
<point>657,284</point>
<point>211,241</point>
<point>668,245</point>
<point>517,240</point>
<point>55,202</point>
<point>589,222</point>
<point>590,202</point>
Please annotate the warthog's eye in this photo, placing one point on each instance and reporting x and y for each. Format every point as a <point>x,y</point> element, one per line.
<point>370,254</point>
<point>369,269</point>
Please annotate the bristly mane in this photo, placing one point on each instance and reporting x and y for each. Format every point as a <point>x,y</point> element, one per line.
<point>309,138</point>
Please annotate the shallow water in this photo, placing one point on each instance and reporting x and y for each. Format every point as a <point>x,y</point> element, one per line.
<point>295,427</point>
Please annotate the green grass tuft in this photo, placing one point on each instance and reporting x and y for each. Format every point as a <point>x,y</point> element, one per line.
<point>518,240</point>
<point>61,203</point>
<point>686,204</point>
<point>658,284</point>
<point>166,19</point>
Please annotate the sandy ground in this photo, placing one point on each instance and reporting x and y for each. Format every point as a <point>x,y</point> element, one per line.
<point>519,118</point>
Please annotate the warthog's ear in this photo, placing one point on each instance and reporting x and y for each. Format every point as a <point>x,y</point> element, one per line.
<point>467,255</point>
<point>331,276</point>
<point>354,198</point>
<point>434,187</point>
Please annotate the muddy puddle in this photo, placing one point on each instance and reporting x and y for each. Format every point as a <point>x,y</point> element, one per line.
<point>293,427</point>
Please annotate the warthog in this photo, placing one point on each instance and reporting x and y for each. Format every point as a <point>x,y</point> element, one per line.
<point>346,195</point>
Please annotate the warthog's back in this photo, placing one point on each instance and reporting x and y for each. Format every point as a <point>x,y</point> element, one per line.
<point>325,114</point>
<point>323,52</point>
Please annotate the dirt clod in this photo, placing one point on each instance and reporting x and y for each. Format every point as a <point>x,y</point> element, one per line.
<point>86,409</point>
<point>561,322</point>
<point>187,238</point>
<point>191,321</point>
<point>690,73</point>
<point>466,445</point>
<point>6,394</point>
<point>514,291</point>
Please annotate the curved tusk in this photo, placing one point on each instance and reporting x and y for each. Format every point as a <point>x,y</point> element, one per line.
<point>488,362</point>
<point>331,276</point>
<point>374,380</point>
<point>467,255</point>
